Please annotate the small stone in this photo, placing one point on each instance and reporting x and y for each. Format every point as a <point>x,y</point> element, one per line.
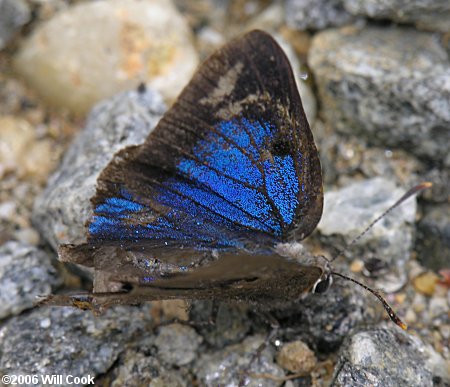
<point>296,357</point>
<point>410,317</point>
<point>316,14</point>
<point>93,50</point>
<point>388,85</point>
<point>7,210</point>
<point>25,273</point>
<point>45,323</point>
<point>15,136</point>
<point>438,307</point>
<point>357,266</point>
<point>28,236</point>
<point>400,298</point>
<point>388,357</point>
<point>177,344</point>
<point>269,20</point>
<point>426,283</point>
<point>21,152</point>
<point>175,309</point>
<point>226,367</point>
<point>68,341</point>
<point>13,15</point>
<point>61,211</point>
<point>419,303</point>
<point>431,15</point>
<point>137,369</point>
<point>348,210</point>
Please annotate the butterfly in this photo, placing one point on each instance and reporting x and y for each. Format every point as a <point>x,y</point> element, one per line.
<point>213,204</point>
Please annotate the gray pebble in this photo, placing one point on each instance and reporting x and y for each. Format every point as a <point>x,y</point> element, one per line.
<point>431,15</point>
<point>388,357</point>
<point>68,341</point>
<point>137,369</point>
<point>349,210</point>
<point>177,344</point>
<point>388,85</point>
<point>225,367</point>
<point>25,273</point>
<point>314,14</point>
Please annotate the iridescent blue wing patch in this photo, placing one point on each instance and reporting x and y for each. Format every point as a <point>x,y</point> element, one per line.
<point>231,166</point>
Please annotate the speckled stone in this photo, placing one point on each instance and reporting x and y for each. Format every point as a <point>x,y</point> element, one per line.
<point>388,85</point>
<point>25,273</point>
<point>68,341</point>
<point>316,14</point>
<point>388,357</point>
<point>348,210</point>
<point>225,367</point>
<point>138,369</point>
<point>177,344</point>
<point>431,15</point>
<point>93,50</point>
<point>344,158</point>
<point>296,357</point>
<point>61,211</point>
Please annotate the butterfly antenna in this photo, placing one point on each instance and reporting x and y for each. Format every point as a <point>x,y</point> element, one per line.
<point>413,191</point>
<point>392,315</point>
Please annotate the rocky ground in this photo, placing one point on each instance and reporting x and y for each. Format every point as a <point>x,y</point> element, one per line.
<point>378,99</point>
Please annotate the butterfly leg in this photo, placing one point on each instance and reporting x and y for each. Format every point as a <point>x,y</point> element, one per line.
<point>98,303</point>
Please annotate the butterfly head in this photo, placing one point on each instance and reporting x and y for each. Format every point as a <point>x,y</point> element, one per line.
<point>325,281</point>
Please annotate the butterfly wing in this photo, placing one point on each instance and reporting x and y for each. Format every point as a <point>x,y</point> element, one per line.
<point>232,165</point>
<point>260,279</point>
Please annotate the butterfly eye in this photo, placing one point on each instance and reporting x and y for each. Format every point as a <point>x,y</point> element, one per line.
<point>322,285</point>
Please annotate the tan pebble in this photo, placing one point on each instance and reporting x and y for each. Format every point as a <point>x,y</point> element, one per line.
<point>28,235</point>
<point>410,316</point>
<point>356,266</point>
<point>38,161</point>
<point>15,136</point>
<point>400,298</point>
<point>175,309</point>
<point>21,152</point>
<point>426,283</point>
<point>296,357</point>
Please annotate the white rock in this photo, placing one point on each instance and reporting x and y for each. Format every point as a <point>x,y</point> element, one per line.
<point>93,50</point>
